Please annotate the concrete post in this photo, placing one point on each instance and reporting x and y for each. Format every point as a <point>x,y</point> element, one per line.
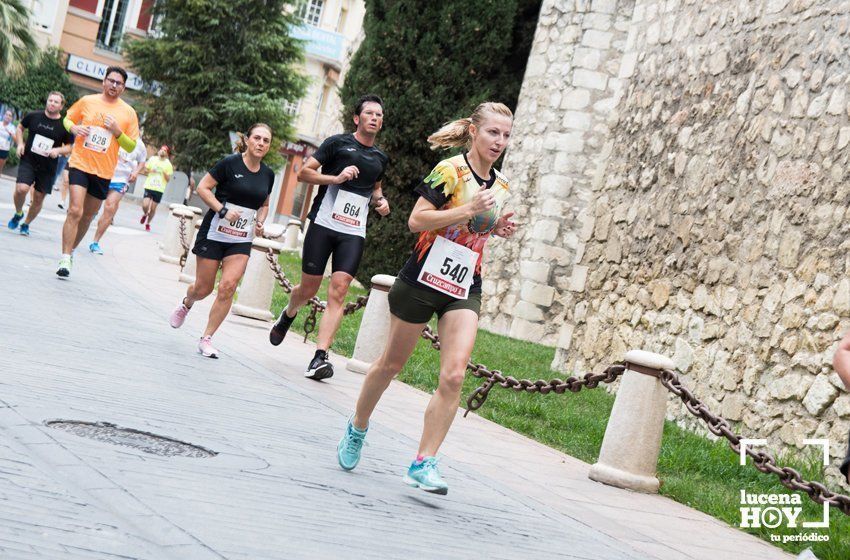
<point>629,454</point>
<point>172,249</point>
<point>293,228</point>
<point>375,326</point>
<point>187,274</point>
<point>255,292</point>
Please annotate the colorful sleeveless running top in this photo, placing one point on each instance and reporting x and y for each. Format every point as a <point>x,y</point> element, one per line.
<point>448,259</point>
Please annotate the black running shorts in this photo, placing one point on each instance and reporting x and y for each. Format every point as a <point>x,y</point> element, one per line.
<point>41,177</point>
<point>156,196</point>
<point>218,250</point>
<point>417,305</point>
<point>98,187</point>
<point>320,242</point>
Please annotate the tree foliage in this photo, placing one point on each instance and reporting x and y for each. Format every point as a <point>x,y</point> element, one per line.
<point>17,43</point>
<point>432,62</point>
<point>28,90</point>
<point>222,65</point>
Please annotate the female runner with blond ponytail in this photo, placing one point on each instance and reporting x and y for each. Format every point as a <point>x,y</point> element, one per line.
<point>459,207</point>
<point>238,207</point>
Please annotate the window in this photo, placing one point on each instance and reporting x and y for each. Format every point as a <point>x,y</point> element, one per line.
<point>341,20</point>
<point>311,11</point>
<point>292,107</point>
<point>112,24</point>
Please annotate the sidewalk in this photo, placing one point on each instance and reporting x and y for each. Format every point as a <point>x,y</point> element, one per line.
<point>97,347</point>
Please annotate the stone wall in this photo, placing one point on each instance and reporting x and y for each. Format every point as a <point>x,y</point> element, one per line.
<point>570,89</point>
<point>715,229</point>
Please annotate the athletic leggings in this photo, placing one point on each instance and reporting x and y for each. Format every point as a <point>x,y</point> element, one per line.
<point>320,242</point>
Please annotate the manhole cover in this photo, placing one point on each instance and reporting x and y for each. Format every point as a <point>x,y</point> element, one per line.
<point>128,437</point>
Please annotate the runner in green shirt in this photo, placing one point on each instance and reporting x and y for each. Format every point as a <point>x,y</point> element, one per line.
<point>159,171</point>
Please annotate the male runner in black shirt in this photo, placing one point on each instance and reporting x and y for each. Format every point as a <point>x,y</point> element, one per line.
<point>352,168</point>
<point>47,140</point>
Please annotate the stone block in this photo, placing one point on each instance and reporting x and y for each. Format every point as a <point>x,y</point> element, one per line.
<point>558,186</point>
<point>545,230</point>
<point>565,337</point>
<point>604,6</point>
<point>578,278</point>
<point>589,79</point>
<point>820,395</point>
<point>597,39</point>
<point>538,294</point>
<point>576,120</point>
<point>528,311</point>
<point>527,330</point>
<point>586,57</point>
<point>577,98</point>
<point>536,271</point>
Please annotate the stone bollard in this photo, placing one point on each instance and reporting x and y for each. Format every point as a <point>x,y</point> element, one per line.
<point>293,228</point>
<point>187,274</point>
<point>255,292</point>
<point>629,454</point>
<point>274,231</point>
<point>172,249</point>
<point>375,326</point>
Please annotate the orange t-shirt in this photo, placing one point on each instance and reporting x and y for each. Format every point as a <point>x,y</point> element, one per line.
<point>97,153</point>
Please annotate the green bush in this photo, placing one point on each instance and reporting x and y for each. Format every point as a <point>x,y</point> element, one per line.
<point>431,62</point>
<point>28,91</point>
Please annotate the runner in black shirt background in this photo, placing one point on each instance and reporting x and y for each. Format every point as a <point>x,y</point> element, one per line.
<point>238,208</point>
<point>352,171</point>
<point>47,139</point>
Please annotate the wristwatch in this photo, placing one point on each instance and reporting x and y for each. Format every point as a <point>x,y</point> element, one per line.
<point>223,212</point>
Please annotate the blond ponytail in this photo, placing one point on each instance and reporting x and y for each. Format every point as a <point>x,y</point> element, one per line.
<point>456,134</point>
<point>451,135</point>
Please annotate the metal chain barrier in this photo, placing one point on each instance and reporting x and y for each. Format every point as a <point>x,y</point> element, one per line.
<point>495,377</point>
<point>763,461</point>
<point>316,305</point>
<point>184,241</point>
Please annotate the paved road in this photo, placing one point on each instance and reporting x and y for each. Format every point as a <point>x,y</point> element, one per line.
<point>97,348</point>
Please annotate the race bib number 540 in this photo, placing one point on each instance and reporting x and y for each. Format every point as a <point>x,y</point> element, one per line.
<point>449,268</point>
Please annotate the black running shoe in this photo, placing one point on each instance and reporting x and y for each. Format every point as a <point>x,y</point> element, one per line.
<point>280,328</point>
<point>320,368</point>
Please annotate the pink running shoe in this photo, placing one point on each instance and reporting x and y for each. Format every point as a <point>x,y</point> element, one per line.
<point>205,347</point>
<point>147,227</point>
<point>178,316</point>
<point>142,219</point>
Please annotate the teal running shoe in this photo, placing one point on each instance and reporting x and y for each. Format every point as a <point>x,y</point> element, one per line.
<point>348,450</point>
<point>426,475</point>
<point>94,247</point>
<point>25,229</point>
<point>13,223</point>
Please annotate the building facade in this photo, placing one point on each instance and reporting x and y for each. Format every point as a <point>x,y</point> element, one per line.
<point>91,33</point>
<point>331,30</point>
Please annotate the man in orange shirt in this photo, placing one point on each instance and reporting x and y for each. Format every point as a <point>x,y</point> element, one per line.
<point>101,123</point>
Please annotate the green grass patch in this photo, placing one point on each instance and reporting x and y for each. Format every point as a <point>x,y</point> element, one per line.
<point>693,470</point>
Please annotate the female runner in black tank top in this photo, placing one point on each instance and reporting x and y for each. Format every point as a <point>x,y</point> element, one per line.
<point>238,208</point>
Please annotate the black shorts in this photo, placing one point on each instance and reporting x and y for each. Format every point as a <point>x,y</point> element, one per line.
<point>156,196</point>
<point>218,250</point>
<point>320,242</point>
<point>98,187</point>
<point>42,177</point>
<point>413,304</point>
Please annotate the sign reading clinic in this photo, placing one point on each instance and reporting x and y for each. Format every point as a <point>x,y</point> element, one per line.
<point>97,70</point>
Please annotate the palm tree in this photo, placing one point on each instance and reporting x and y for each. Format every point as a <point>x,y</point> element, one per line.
<point>17,43</point>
